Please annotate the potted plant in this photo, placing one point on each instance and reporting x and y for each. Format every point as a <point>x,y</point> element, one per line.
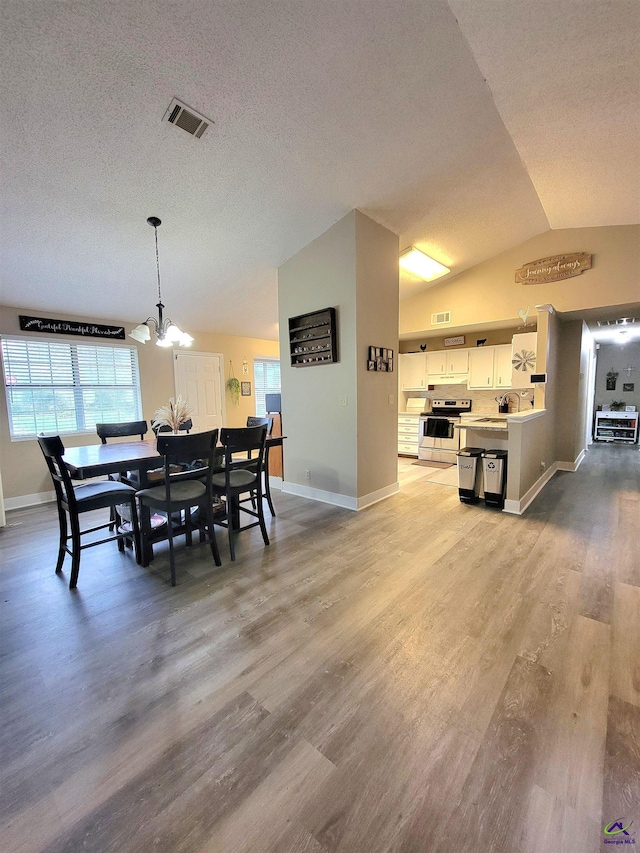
<point>617,405</point>
<point>233,386</point>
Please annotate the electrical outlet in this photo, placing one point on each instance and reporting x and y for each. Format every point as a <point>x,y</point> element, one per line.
<point>343,401</point>
<point>543,465</point>
<point>392,399</point>
<point>307,474</point>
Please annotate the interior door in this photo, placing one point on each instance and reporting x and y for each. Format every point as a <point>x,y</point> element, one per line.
<point>198,379</point>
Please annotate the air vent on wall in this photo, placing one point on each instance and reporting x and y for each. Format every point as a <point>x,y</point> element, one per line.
<point>623,321</point>
<point>183,116</point>
<point>441,319</point>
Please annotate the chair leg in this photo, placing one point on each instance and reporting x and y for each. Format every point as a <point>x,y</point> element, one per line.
<point>188,536</point>
<point>62,518</point>
<point>75,551</point>
<point>267,495</point>
<point>171,559</point>
<point>230,528</point>
<point>212,533</point>
<point>263,526</point>
<point>135,528</point>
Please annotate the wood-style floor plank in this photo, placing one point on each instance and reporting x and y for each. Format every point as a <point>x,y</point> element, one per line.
<point>419,676</point>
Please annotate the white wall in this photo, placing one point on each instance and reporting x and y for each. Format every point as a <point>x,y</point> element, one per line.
<point>349,450</point>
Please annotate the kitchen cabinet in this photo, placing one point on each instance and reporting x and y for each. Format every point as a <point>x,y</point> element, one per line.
<point>443,361</point>
<point>408,433</point>
<point>447,368</point>
<point>413,371</point>
<point>617,426</point>
<point>502,367</point>
<point>523,360</point>
<point>481,367</point>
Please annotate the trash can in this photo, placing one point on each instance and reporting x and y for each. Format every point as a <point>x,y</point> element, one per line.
<point>469,473</point>
<point>494,466</point>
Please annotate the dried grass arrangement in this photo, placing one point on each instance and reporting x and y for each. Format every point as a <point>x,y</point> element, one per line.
<point>175,413</point>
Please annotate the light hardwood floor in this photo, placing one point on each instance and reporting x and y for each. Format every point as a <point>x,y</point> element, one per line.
<point>419,676</point>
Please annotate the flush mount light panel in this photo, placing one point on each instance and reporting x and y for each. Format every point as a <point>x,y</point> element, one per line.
<point>416,262</point>
<point>181,115</point>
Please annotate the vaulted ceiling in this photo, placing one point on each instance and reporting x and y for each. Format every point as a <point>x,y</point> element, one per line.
<point>465,127</point>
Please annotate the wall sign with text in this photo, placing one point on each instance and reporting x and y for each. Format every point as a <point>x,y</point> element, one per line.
<point>553,269</point>
<point>69,327</point>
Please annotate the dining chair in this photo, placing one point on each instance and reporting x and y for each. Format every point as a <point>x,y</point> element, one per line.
<point>185,426</point>
<point>72,501</point>
<point>188,460</point>
<point>241,477</point>
<point>268,422</point>
<point>121,430</point>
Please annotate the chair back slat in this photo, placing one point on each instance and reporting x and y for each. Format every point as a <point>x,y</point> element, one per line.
<point>268,422</point>
<point>120,430</point>
<point>53,451</point>
<point>194,451</point>
<point>185,426</point>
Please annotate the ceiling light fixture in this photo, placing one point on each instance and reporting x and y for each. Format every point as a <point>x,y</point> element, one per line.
<point>416,262</point>
<point>166,332</point>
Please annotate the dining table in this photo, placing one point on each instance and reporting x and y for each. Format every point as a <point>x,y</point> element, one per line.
<point>118,457</point>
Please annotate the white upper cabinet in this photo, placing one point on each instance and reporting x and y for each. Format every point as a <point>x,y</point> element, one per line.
<point>481,367</point>
<point>523,360</point>
<point>502,367</point>
<point>448,362</point>
<point>413,371</point>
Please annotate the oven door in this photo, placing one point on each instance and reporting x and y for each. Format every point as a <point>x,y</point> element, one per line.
<point>439,441</point>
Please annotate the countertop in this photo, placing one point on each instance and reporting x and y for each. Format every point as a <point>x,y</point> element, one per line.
<point>497,422</point>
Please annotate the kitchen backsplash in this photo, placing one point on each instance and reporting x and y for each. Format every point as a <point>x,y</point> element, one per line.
<point>481,401</point>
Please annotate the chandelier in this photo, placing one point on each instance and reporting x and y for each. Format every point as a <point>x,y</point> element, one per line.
<point>166,332</point>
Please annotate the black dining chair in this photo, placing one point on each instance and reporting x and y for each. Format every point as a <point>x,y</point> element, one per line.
<point>73,500</point>
<point>185,426</point>
<point>188,468</point>
<point>266,487</point>
<point>241,477</point>
<point>121,430</point>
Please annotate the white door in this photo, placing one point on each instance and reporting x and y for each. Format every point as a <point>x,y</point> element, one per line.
<point>198,379</point>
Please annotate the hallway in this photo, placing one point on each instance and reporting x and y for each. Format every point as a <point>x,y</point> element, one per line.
<point>419,676</point>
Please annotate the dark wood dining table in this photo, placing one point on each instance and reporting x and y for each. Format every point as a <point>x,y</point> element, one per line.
<point>96,460</point>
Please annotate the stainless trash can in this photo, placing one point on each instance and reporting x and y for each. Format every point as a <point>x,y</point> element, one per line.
<point>494,467</point>
<point>469,473</point>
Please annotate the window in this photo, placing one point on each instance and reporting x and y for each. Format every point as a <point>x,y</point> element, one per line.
<point>266,380</point>
<point>67,387</point>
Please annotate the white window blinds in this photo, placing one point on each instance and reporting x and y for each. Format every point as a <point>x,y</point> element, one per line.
<point>266,380</point>
<point>64,387</point>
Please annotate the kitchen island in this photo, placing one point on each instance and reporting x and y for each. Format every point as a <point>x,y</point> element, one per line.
<point>518,434</point>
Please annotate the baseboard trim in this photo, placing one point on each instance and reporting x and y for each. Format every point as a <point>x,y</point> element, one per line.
<point>379,495</point>
<point>275,482</point>
<point>24,501</point>
<point>572,466</point>
<point>518,507</point>
<point>343,501</point>
<point>333,498</point>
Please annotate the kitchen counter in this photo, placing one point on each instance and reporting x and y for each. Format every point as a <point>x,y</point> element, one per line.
<point>486,422</point>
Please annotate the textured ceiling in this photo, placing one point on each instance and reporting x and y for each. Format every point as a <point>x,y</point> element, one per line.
<point>318,107</point>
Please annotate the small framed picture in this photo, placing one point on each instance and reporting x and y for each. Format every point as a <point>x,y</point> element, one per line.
<point>371,365</point>
<point>245,389</point>
<point>628,386</point>
<point>372,355</point>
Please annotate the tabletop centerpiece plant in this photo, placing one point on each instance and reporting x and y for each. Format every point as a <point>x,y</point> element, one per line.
<point>175,413</point>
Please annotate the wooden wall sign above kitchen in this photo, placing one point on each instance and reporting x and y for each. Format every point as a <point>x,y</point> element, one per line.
<point>553,269</point>
<point>69,327</point>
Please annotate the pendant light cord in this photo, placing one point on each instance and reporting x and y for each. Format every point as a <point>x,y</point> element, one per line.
<point>155,228</point>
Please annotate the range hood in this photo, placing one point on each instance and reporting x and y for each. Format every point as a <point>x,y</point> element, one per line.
<point>449,379</point>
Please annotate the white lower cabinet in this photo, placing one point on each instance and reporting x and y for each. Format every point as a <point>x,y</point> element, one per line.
<point>408,429</point>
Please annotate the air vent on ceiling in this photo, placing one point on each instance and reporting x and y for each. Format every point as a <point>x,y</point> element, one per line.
<point>183,116</point>
<point>623,321</point>
<point>441,319</point>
